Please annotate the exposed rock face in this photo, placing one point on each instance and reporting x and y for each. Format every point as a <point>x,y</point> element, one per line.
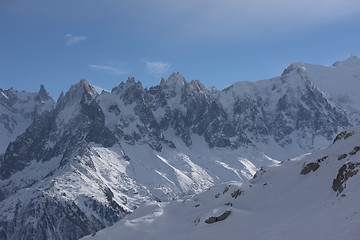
<point>219,218</point>
<point>343,135</point>
<point>59,131</point>
<point>286,111</point>
<point>310,167</point>
<point>237,193</point>
<point>347,171</point>
<point>313,166</point>
<point>52,198</point>
<point>355,150</point>
<point>18,110</point>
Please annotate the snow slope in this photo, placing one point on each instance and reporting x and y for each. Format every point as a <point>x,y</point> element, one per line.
<point>314,196</point>
<point>179,171</point>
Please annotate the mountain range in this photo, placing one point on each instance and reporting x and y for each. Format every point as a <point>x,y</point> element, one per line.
<point>73,167</point>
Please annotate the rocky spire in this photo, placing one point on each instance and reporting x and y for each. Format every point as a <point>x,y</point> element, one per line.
<point>42,95</point>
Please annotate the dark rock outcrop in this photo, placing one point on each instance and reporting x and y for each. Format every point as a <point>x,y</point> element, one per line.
<point>219,218</point>
<point>310,167</point>
<point>345,172</point>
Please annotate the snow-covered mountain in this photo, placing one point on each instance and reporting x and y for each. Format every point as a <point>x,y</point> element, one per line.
<point>314,196</point>
<point>54,182</point>
<point>92,159</point>
<point>284,116</point>
<point>341,81</point>
<point>17,111</point>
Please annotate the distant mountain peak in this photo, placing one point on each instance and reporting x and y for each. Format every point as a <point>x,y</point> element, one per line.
<point>175,79</point>
<point>130,80</point>
<point>89,89</point>
<point>353,57</point>
<point>351,61</point>
<point>294,66</point>
<point>77,91</point>
<point>61,96</point>
<point>43,94</point>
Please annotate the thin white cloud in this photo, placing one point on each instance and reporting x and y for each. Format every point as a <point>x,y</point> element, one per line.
<point>71,39</point>
<point>246,19</point>
<point>157,67</point>
<point>114,68</point>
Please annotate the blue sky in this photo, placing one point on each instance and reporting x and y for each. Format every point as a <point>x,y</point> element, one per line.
<point>57,43</point>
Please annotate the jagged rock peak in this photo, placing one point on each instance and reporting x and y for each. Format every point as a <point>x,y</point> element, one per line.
<point>162,82</point>
<point>80,92</point>
<point>43,94</point>
<point>77,91</point>
<point>130,80</point>
<point>88,88</point>
<point>175,79</point>
<point>175,83</point>
<point>129,84</point>
<point>61,96</point>
<point>294,66</point>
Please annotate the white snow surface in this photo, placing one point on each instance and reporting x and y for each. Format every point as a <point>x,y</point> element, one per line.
<point>279,203</point>
<point>176,172</point>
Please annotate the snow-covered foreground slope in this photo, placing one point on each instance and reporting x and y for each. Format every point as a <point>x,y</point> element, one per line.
<point>314,196</point>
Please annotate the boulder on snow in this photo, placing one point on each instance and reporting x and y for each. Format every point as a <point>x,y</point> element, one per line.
<point>310,167</point>
<point>219,218</point>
